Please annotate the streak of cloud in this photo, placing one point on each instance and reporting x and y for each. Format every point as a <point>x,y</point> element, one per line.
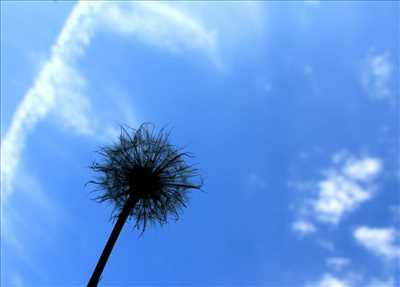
<point>56,79</point>
<point>58,88</point>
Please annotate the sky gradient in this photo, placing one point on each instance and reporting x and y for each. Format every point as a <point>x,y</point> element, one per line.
<point>291,110</point>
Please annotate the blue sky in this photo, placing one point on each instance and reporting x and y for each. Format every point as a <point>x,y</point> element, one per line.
<point>292,111</point>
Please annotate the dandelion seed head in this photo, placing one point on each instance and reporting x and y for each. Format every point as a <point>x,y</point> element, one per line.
<point>144,167</point>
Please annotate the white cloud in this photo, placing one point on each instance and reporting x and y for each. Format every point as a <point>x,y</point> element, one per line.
<point>337,263</point>
<point>380,241</point>
<point>328,280</point>
<point>241,27</point>
<point>377,75</point>
<point>161,25</point>
<point>362,169</point>
<point>303,227</point>
<point>338,195</point>
<point>344,186</point>
<point>351,279</point>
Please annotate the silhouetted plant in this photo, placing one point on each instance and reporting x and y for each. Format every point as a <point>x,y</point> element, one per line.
<point>146,178</point>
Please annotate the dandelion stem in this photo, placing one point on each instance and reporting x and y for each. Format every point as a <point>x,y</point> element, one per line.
<point>94,280</point>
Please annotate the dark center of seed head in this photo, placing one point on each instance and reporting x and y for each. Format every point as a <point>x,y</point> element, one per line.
<point>143,182</point>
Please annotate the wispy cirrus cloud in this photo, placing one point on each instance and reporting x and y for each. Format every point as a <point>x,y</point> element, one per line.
<point>56,79</point>
<point>161,25</point>
<point>58,89</point>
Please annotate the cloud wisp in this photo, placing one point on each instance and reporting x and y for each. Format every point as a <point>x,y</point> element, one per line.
<point>57,79</point>
<point>329,280</point>
<point>380,241</point>
<point>344,186</point>
<point>377,75</point>
<point>303,227</point>
<point>163,26</point>
<point>351,279</point>
<point>58,88</point>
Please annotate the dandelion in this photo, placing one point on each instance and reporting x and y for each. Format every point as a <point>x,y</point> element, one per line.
<point>146,179</point>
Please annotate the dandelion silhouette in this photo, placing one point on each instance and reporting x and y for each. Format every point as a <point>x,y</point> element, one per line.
<point>146,178</point>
